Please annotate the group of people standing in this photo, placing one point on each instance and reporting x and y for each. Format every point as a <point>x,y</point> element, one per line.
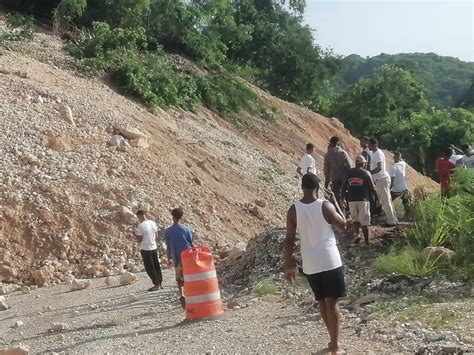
<point>364,186</point>
<point>447,161</point>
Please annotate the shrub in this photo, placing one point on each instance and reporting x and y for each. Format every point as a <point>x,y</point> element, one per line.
<point>266,287</point>
<point>20,28</point>
<point>406,262</point>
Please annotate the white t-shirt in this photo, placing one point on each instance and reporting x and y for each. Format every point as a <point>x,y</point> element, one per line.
<point>307,164</point>
<point>397,173</point>
<point>147,230</point>
<point>468,161</point>
<point>378,157</point>
<point>454,158</point>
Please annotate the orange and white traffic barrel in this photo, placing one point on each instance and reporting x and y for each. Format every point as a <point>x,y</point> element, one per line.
<point>201,289</point>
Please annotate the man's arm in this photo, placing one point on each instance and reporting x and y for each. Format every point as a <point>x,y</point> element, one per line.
<point>377,169</point>
<point>346,161</point>
<point>289,245</point>
<point>327,171</point>
<point>138,235</point>
<point>370,182</point>
<point>333,217</point>
<point>298,170</point>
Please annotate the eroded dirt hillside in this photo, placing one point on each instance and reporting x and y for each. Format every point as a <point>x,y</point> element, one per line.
<point>67,197</point>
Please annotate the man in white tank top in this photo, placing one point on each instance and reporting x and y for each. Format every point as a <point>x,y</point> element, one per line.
<point>314,218</point>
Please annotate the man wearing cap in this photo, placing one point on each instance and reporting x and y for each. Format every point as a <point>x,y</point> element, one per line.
<point>359,186</point>
<point>381,178</point>
<point>336,166</point>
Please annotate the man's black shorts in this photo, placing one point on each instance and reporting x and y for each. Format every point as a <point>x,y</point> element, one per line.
<point>328,284</point>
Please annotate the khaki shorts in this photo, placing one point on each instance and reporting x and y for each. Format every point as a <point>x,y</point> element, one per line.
<point>179,275</point>
<point>360,212</point>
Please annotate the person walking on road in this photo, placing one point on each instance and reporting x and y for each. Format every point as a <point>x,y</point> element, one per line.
<point>146,236</point>
<point>307,162</point>
<point>359,185</point>
<point>336,166</point>
<point>382,182</point>
<point>178,238</point>
<point>314,219</point>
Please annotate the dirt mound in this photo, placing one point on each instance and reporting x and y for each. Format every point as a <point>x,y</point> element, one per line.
<point>67,195</point>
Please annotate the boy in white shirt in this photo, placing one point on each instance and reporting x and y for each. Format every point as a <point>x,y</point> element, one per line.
<point>146,236</point>
<point>307,162</point>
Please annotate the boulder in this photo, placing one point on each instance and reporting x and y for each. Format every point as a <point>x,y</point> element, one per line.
<point>40,277</point>
<point>7,273</point>
<point>18,324</point>
<point>257,212</point>
<point>132,297</point>
<point>15,350</point>
<point>128,278</point>
<point>25,290</point>
<point>140,143</point>
<point>4,306</point>
<point>132,133</point>
<point>80,284</point>
<point>261,203</point>
<point>127,216</point>
<point>66,112</point>
<point>437,252</point>
<point>57,327</point>
<point>109,281</point>
<point>118,141</point>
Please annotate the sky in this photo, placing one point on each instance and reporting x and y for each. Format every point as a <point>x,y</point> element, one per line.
<point>371,27</point>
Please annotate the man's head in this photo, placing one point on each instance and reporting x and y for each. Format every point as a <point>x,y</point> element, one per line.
<point>141,215</point>
<point>447,152</point>
<point>466,149</point>
<point>310,148</point>
<point>397,156</point>
<point>334,141</point>
<point>364,142</point>
<point>360,161</point>
<point>373,144</point>
<point>310,182</point>
<point>177,214</point>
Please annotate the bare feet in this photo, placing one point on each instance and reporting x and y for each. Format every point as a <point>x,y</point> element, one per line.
<point>155,288</point>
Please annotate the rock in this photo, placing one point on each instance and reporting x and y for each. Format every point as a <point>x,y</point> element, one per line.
<point>67,115</point>
<point>118,141</point>
<point>5,289</point>
<point>25,290</point>
<point>109,281</point>
<point>40,277</point>
<point>366,299</point>
<point>60,142</point>
<point>80,284</point>
<point>57,327</point>
<point>18,324</point>
<point>7,273</point>
<point>4,306</point>
<point>132,298</point>
<point>95,270</point>
<point>437,252</point>
<point>197,181</point>
<point>93,307</point>
<point>15,350</point>
<point>257,212</point>
<point>122,148</point>
<point>232,304</point>
<point>140,143</point>
<point>127,216</point>
<point>261,203</point>
<point>22,74</point>
<point>128,278</point>
<point>39,100</point>
<point>132,133</point>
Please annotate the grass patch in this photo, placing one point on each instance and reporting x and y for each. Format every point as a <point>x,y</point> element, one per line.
<point>265,287</point>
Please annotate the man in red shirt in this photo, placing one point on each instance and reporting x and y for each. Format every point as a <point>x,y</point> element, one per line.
<point>445,168</point>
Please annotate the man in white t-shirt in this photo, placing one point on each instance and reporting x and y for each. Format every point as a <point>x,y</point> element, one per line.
<point>398,184</point>
<point>146,236</point>
<point>468,157</point>
<point>307,162</point>
<point>382,181</point>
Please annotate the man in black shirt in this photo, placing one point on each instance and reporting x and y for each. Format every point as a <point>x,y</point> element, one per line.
<point>359,185</point>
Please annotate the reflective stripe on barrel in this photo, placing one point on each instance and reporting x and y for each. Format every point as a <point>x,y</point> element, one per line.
<point>201,276</point>
<point>204,298</point>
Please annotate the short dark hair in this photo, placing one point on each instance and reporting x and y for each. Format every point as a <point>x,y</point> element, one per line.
<point>448,151</point>
<point>373,141</point>
<point>141,213</point>
<point>398,154</point>
<point>309,146</point>
<point>177,213</point>
<point>364,138</point>
<point>310,181</point>
<point>465,147</point>
<point>334,140</point>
